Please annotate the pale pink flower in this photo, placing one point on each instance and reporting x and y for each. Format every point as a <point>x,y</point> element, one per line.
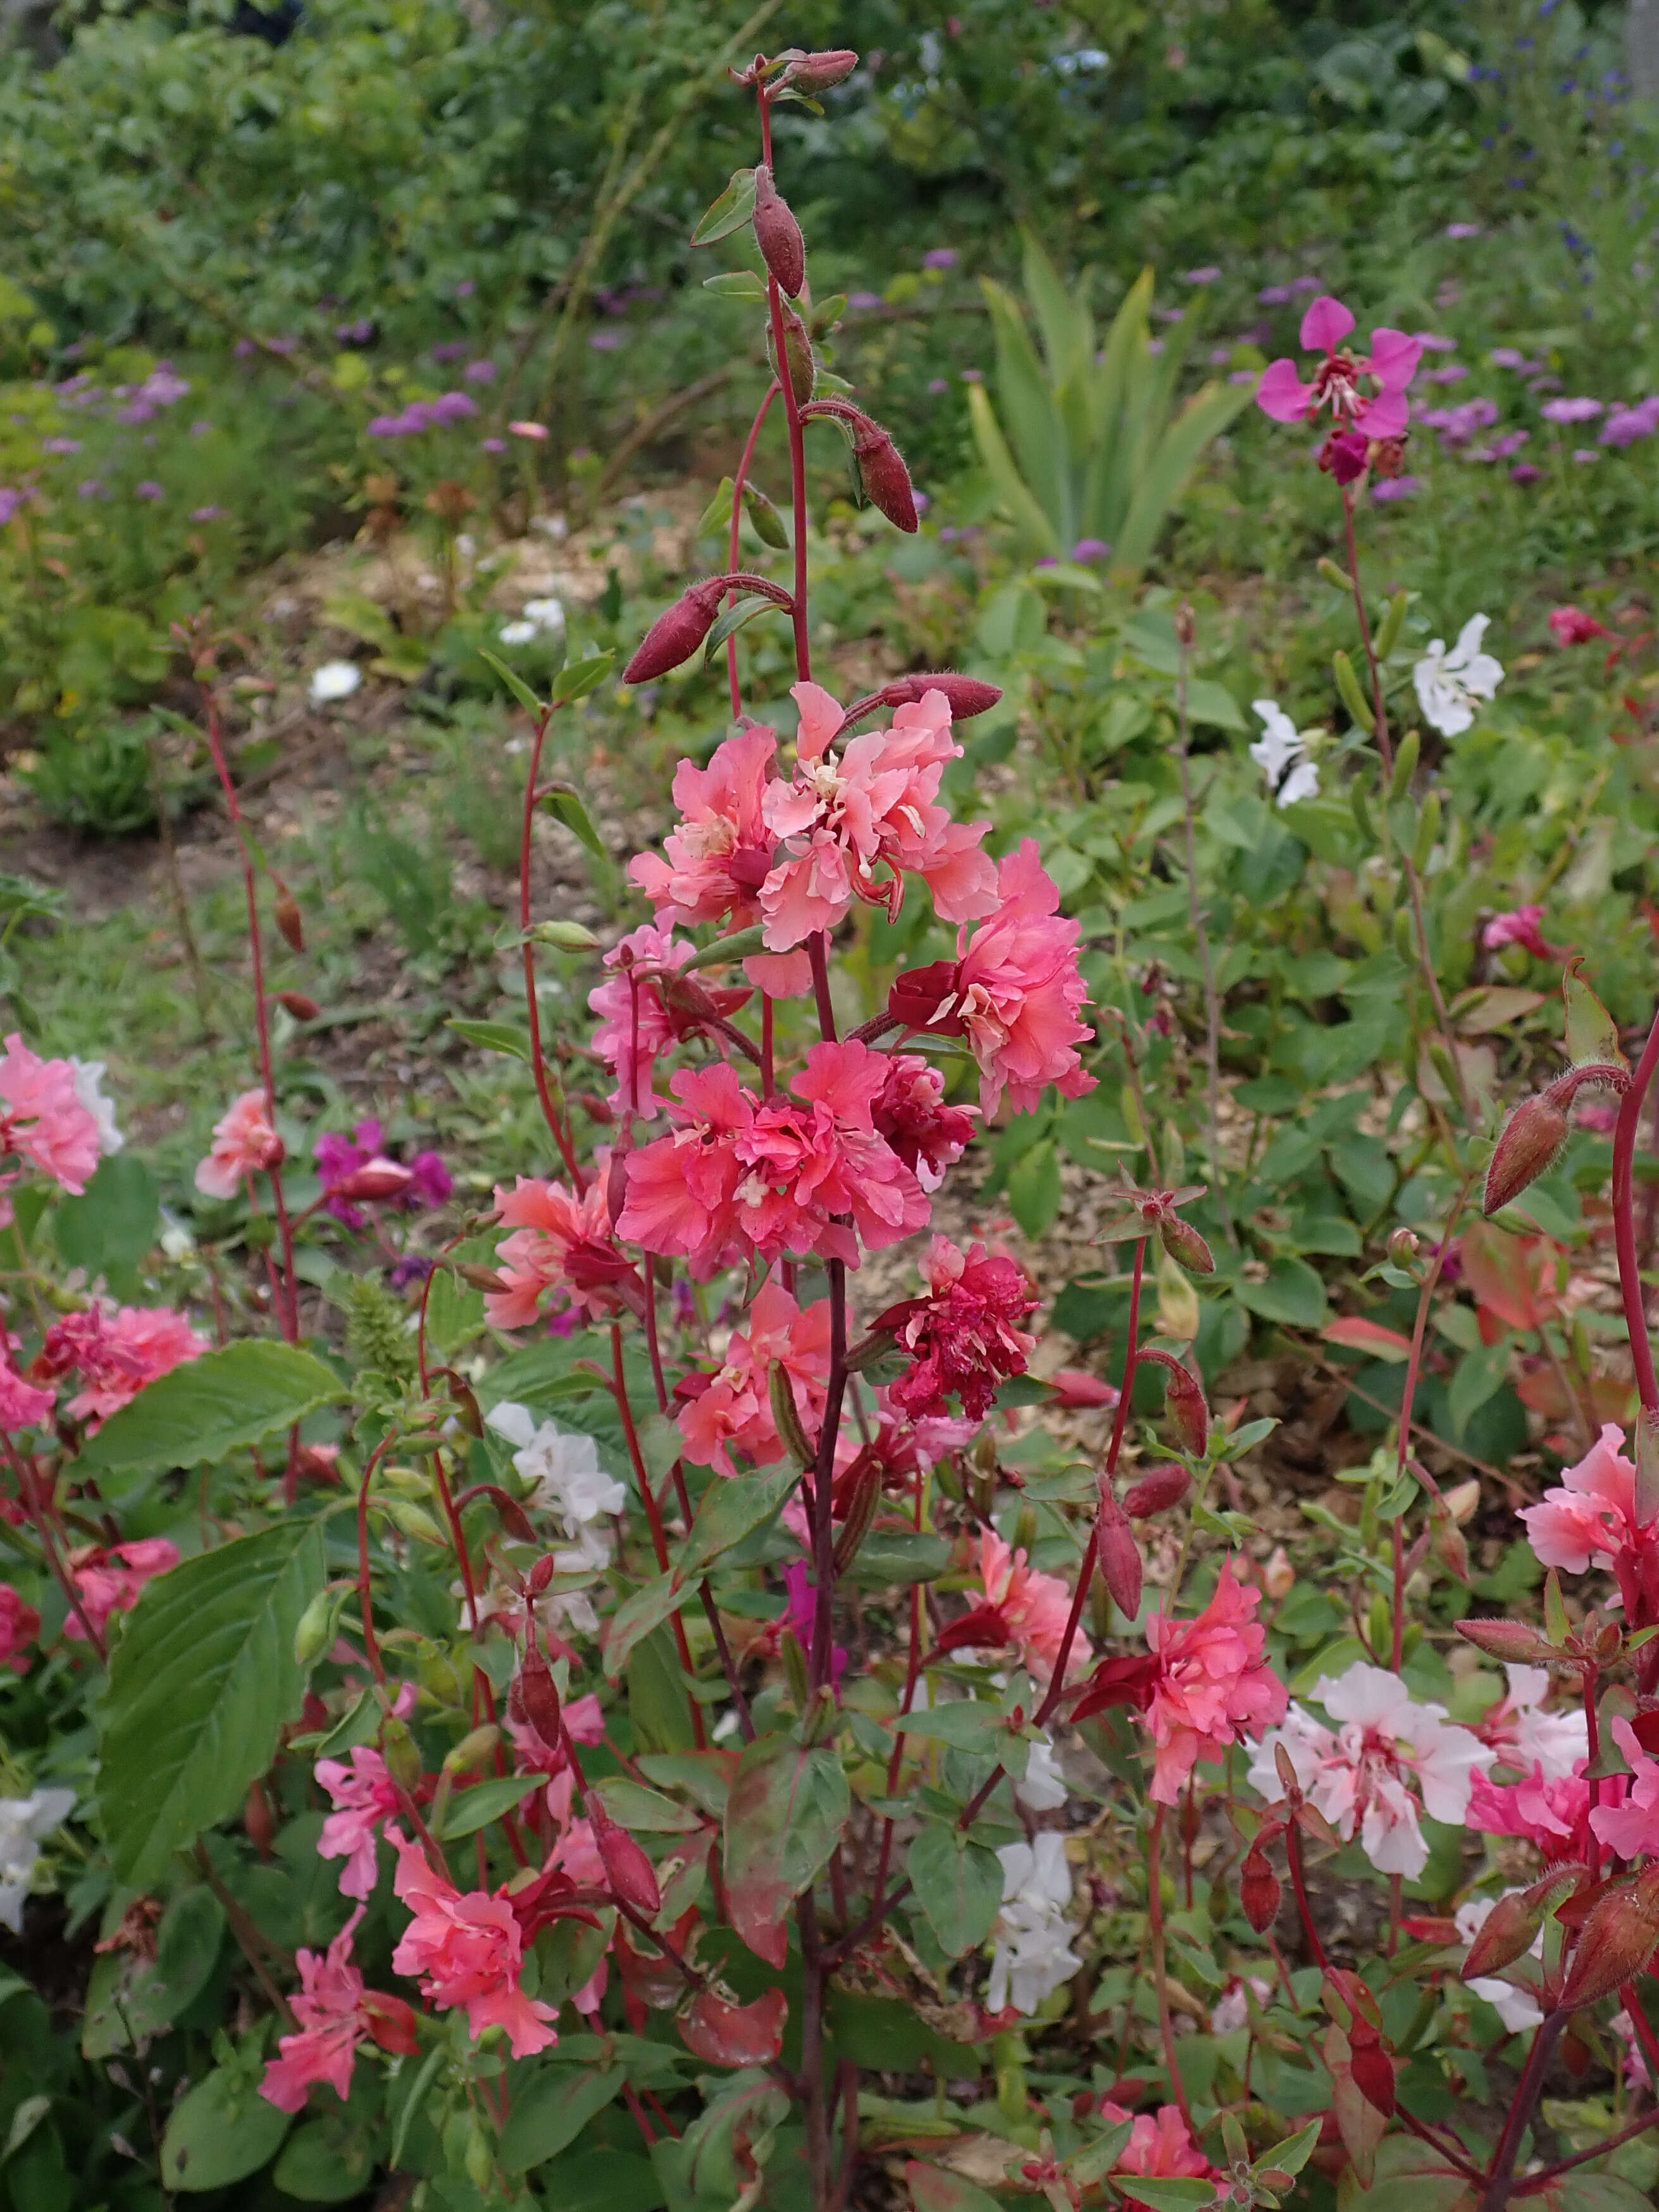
<point>1035,1607</point>
<point>1216,1684</point>
<point>733,1410</point>
<point>637,1023</point>
<point>44,1118</point>
<point>244,1144</point>
<point>335,2012</point>
<point>873,806</point>
<point>1524,1735</point>
<point>363,1794</point>
<point>468,1950</point>
<point>1632,1829</point>
<point>1161,2147</point>
<point>1388,1760</point>
<point>561,1243</point>
<point>1339,381</point>
<point>109,1581</point>
<point>1592,1517</point>
<point>116,1351</point>
<point>1519,925</point>
<point>1232,2010</point>
<point>21,1406</point>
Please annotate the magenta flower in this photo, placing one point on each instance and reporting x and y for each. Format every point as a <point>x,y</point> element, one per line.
<point>1338,382</point>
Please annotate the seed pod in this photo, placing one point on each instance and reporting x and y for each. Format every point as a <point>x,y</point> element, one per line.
<point>632,1877</point>
<point>1405,766</point>
<point>1160,1488</point>
<point>398,1748</point>
<point>616,1186</point>
<point>884,477</point>
<point>296,1003</point>
<point>1183,1401</point>
<point>1507,1932</point>
<point>1393,622</point>
<point>534,1695</point>
<point>474,1747</point>
<point>1532,1137</point>
<point>1352,697</point>
<point>1259,1889</point>
<point>1119,1555</point>
<point>259,1820</point>
<point>315,1633</point>
<point>480,1277</point>
<point>786,1416</point>
<point>541,1574</point>
<point>860,1511</point>
<point>1183,1244</point>
<point>817,72</point>
<point>287,911</point>
<point>675,636</point>
<point>1618,1939</point>
<point>778,234</point>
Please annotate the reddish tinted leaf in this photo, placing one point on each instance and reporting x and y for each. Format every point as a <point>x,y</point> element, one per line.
<point>735,2035</point>
<point>1358,1334</point>
<point>1513,1278</point>
<point>783,1817</point>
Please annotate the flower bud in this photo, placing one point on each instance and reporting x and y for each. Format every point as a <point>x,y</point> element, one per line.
<point>533,1696</point>
<point>481,1278</point>
<point>390,2021</point>
<point>296,1003</point>
<point>315,1633</point>
<point>967,695</point>
<point>1119,1555</point>
<point>675,636</point>
<point>398,1748</point>
<point>884,477</point>
<point>1615,1943</point>
<point>375,1180</point>
<point>1647,1466</point>
<point>1532,1137</point>
<point>287,911</point>
<point>797,356</point>
<point>616,1188</point>
<point>924,998</point>
<point>1078,1391</point>
<point>259,1820</point>
<point>1372,2070</point>
<point>631,1877</point>
<point>1278,1576</point>
<point>1184,1243</point>
<point>817,72</point>
<point>778,234</point>
<point>1259,1889</point>
<point>1183,1401</point>
<point>565,936</point>
<point>1507,1932</point>
<point>1160,1488</point>
<point>474,1747</point>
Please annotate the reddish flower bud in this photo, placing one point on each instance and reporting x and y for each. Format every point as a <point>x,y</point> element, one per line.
<point>1079,1391</point>
<point>1127,1681</point>
<point>1183,1401</point>
<point>1507,1639</point>
<point>817,72</point>
<point>884,477</point>
<point>1618,1936</point>
<point>1372,2070</point>
<point>616,1188</point>
<point>864,1493</point>
<point>296,1003</point>
<point>1259,1889</point>
<point>375,1179</point>
<point>1160,1488</point>
<point>778,234</point>
<point>541,1574</point>
<point>797,356</point>
<point>480,1277</point>
<point>921,998</point>
<point>390,2021</point>
<point>675,636</point>
<point>1183,1244</point>
<point>1532,1137</point>
<point>287,911</point>
<point>259,1820</point>
<point>631,1877</point>
<point>1507,1934</point>
<point>1119,1555</point>
<point>968,697</point>
<point>534,1696</point>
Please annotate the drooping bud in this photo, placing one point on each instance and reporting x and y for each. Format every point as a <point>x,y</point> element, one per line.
<point>1508,1932</point>
<point>1183,1401</point>
<point>884,477</point>
<point>1278,1576</point>
<point>374,1181</point>
<point>534,1695</point>
<point>1516,1640</point>
<point>1618,1939</point>
<point>481,1278</point>
<point>1158,1489</point>
<point>474,1747</point>
<point>1078,1391</point>
<point>817,72</point>
<point>390,2021</point>
<point>566,936</point>
<point>297,1004</point>
<point>1532,1137</point>
<point>1184,1243</point>
<point>631,1877</point>
<point>675,636</point>
<point>1259,1889</point>
<point>287,911</point>
<point>967,695</point>
<point>778,234</point>
<point>317,1624</point>
<point>1121,1568</point>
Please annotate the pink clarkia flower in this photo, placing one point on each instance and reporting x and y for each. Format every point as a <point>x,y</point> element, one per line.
<point>1161,2148</point>
<point>964,1337</point>
<point>1519,925</point>
<point>335,2012</point>
<point>1340,382</point>
<point>737,1176</point>
<point>1388,1759</point>
<point>19,1624</point>
<point>116,1350</point>
<point>43,1119</point>
<point>561,1243</point>
<point>1572,626</point>
<point>1524,1734</point>
<point>637,1025</point>
<point>1552,1813</point>
<point>467,1949</point>
<point>927,1135</point>
<point>363,1794</point>
<point>1216,1685</point>
<point>107,1582</point>
<point>1035,1607</point>
<point>1592,1517</point>
<point>733,1410</point>
<point>21,1406</point>
<point>873,806</point>
<point>1632,1829</point>
<point>244,1144</point>
<point>1013,991</point>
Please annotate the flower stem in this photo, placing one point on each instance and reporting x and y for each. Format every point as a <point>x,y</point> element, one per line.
<point>1625,1131</point>
<point>538,1065</point>
<point>1195,922</point>
<point>1501,2172</point>
<point>1160,1969</point>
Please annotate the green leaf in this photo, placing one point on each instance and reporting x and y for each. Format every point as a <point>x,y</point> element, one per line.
<point>200,1687</point>
<point>1033,1188</point>
<point>516,684</point>
<point>578,677</point>
<point>221,2131</point>
<point>967,1725</point>
<point>735,284</point>
<point>1180,2195</point>
<point>1292,1295</point>
<point>566,805</point>
<point>635,1617</point>
<point>1293,2154</point>
<point>1095,2159</point>
<point>643,1811</point>
<point>485,1801</point>
<point>958,1885</point>
<point>552,2110</point>
<point>1592,1034</point>
<point>1206,415</point>
<point>733,1508</point>
<point>113,1223</point>
<point>1480,1376</point>
<point>734,208</point>
<point>326,2162</point>
<point>208,1408</point>
<point>716,518</point>
<point>1213,704</point>
<point>1009,485</point>
<point>495,1036</point>
<point>602,2181</point>
<point>735,618</point>
<point>785,1815</point>
<point>884,1557</point>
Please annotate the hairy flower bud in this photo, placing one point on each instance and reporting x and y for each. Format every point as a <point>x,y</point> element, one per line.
<point>1532,1137</point>
<point>817,72</point>
<point>375,1180</point>
<point>884,477</point>
<point>1183,1401</point>
<point>1119,1555</point>
<point>675,636</point>
<point>1259,1889</point>
<point>1507,1932</point>
<point>1184,1243</point>
<point>632,1877</point>
<point>797,356</point>
<point>778,234</point>
<point>534,1696</point>
<point>1515,1640</point>
<point>967,695</point>
<point>1160,1488</point>
<point>1620,1932</point>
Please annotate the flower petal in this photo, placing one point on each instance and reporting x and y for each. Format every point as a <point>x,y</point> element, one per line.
<point>1395,356</point>
<point>1281,393</point>
<point>1325,324</point>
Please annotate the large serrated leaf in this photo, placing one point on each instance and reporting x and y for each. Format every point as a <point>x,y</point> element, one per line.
<point>201,1685</point>
<point>209,1408</point>
<point>784,1816</point>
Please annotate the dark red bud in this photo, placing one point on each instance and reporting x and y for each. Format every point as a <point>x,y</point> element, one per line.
<point>675,636</point>
<point>296,1003</point>
<point>982,1629</point>
<point>1258,1890</point>
<point>597,1109</point>
<point>1507,1934</point>
<point>480,1277</point>
<point>541,1574</point>
<point>288,916</point>
<point>375,1180</point>
<point>631,1877</point>
<point>616,1186</point>
<point>919,995</point>
<point>390,2021</point>
<point>534,1696</point>
<point>817,72</point>
<point>1158,1489</point>
<point>1620,1932</point>
<point>1183,1401</point>
<point>884,477</point>
<point>778,234</point>
<point>1532,1137</point>
<point>1079,1391</point>
<point>1373,2076</point>
<point>967,695</point>
<point>1119,1556</point>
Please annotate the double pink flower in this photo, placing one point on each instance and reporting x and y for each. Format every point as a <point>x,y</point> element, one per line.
<point>335,2012</point>
<point>1214,1686</point>
<point>466,1949</point>
<point>732,1409</point>
<point>1362,392</point>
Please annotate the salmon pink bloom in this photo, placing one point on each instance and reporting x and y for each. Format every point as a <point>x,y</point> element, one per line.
<point>244,1143</point>
<point>21,1406</point>
<point>1214,1686</point>
<point>19,1624</point>
<point>646,1012</point>
<point>467,1949</point>
<point>116,1351</point>
<point>1550,1812</point>
<point>335,2012</point>
<point>1632,1829</point>
<point>1592,1517</point>
<point>1519,925</point>
<point>964,1337</point>
<point>1034,1606</point>
<point>1340,382</point>
<point>363,1794</point>
<point>1160,2147</point>
<point>732,1409</point>
<point>107,1582</point>
<point>561,1243</point>
<point>44,1118</point>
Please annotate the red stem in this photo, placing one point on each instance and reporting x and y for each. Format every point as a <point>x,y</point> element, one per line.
<point>1625,1135</point>
<point>1160,1971</point>
<point>538,1065</point>
<point>737,483</point>
<point>653,1516</point>
<point>1293,1859</point>
<point>797,437</point>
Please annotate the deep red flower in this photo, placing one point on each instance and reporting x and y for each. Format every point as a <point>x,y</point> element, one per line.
<point>964,1337</point>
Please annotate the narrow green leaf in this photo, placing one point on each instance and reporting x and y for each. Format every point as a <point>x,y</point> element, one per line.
<point>495,1036</point>
<point>734,618</point>
<point>578,677</point>
<point>566,806</point>
<point>736,284</point>
<point>642,1811</point>
<point>476,1807</point>
<point>734,208</point>
<point>516,684</point>
<point>208,1408</point>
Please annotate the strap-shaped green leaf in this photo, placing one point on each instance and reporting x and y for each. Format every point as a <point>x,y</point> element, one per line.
<point>1027,516</point>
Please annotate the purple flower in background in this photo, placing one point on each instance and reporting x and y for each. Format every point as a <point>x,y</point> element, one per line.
<point>1462,230</point>
<point>1435,342</point>
<point>387,426</point>
<point>431,1183</point>
<point>465,289</point>
<point>479,372</point>
<point>1456,425</point>
<point>339,1158</point>
<point>149,490</point>
<point>163,386</point>
<point>280,345</point>
<point>1507,357</point>
<point>923,502</point>
<point>864,300</point>
<point>1627,424</point>
<point>200,429</point>
<point>60,445</point>
<point>1584,453</point>
<point>1304,285</point>
<point>606,341</point>
<point>1201,275</point>
<point>242,348</point>
<point>973,376</point>
<point>1453,372</point>
<point>803,1590</point>
<point>1525,472</point>
<point>137,410</point>
<point>1395,487</point>
<point>492,445</point>
<point>10,501</point>
<point>1090,549</point>
<point>938,383</point>
<point>355,334</point>
<point>452,407</point>
<point>1273,295</point>
<point>1502,449</point>
<point>449,349</point>
<point>411,1268</point>
<point>91,487</point>
<point>940,257</point>
<point>1243,376</point>
<point>1572,410</point>
<point>207,514</point>
<point>1218,355</point>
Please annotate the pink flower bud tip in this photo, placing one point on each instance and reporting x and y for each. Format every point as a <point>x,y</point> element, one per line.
<point>778,234</point>
<point>884,477</point>
<point>1531,1138</point>
<point>675,635</point>
<point>966,695</point>
<point>817,72</point>
<point>1156,1491</point>
<point>1120,1559</point>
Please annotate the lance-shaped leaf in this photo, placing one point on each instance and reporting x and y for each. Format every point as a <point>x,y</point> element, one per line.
<point>208,1408</point>
<point>734,208</point>
<point>1592,1033</point>
<point>787,1810</point>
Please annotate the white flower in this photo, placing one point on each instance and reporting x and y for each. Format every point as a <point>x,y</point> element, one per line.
<point>1232,2011</point>
<point>90,1089</point>
<point>1043,1788</point>
<point>1361,1776</point>
<point>1281,754</point>
<point>1524,1735</point>
<point>563,1466</point>
<point>1033,1954</point>
<point>176,1241</point>
<point>23,1822</point>
<point>517,633</point>
<point>540,618</point>
<point>1515,2008</point>
<point>1450,685</point>
<point>335,679</point>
